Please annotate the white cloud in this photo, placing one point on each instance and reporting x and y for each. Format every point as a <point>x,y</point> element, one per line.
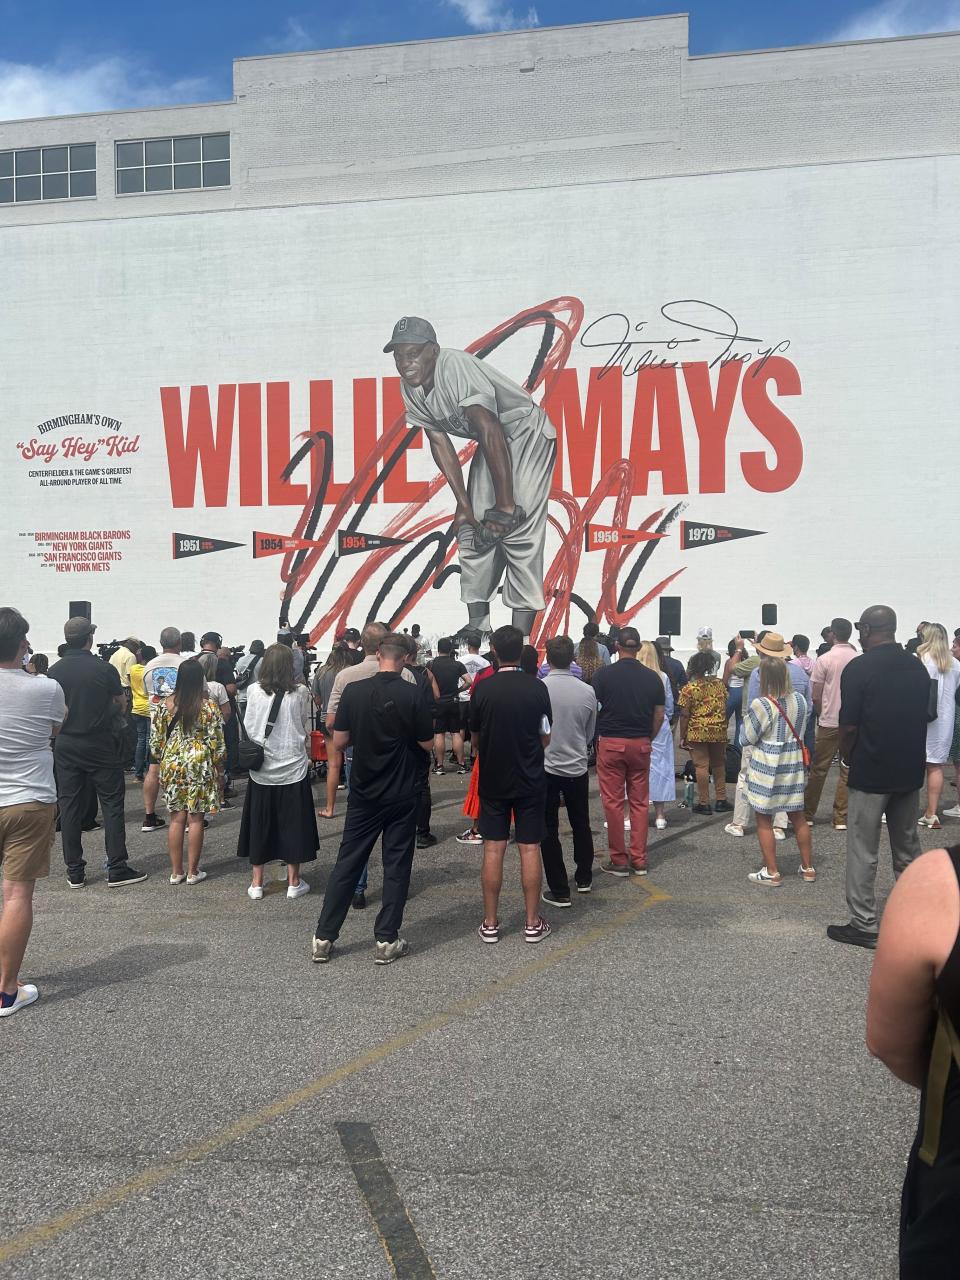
<point>292,39</point>
<point>493,15</point>
<point>900,18</point>
<point>53,89</point>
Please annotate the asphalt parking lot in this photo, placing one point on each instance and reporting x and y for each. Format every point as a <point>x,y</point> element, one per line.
<point>673,1084</point>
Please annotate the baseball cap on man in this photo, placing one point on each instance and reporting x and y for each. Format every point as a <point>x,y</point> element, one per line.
<point>664,644</point>
<point>413,329</point>
<point>351,633</point>
<point>76,630</point>
<point>629,638</point>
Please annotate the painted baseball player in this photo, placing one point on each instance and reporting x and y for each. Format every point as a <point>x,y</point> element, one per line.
<point>501,518</point>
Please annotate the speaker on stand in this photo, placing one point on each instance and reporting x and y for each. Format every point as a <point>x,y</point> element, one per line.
<point>669,615</point>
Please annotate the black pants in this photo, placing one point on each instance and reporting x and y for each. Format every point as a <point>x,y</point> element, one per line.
<point>231,741</point>
<point>364,823</point>
<point>424,799</point>
<point>77,770</point>
<point>576,796</point>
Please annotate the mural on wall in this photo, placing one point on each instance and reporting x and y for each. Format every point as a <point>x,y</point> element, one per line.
<point>497,447</point>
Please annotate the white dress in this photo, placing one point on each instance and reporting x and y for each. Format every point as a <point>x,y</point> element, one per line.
<point>940,731</point>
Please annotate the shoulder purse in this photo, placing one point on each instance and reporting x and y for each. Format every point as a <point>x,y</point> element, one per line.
<point>250,754</point>
<point>801,745</point>
<point>933,701</point>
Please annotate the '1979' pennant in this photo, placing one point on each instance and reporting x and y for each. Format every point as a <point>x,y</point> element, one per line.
<point>693,534</point>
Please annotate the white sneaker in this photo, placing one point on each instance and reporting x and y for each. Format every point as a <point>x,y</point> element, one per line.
<point>201,875</point>
<point>26,994</point>
<point>177,879</point>
<point>952,813</point>
<point>297,890</point>
<point>778,834</point>
<point>626,825</point>
<point>661,824</point>
<point>388,952</point>
<point>733,830</point>
<point>255,892</point>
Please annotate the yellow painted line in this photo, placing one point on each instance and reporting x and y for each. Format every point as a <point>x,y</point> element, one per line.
<point>551,956</point>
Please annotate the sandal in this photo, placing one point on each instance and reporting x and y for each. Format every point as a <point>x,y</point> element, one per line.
<point>932,824</point>
<point>763,876</point>
<point>808,874</point>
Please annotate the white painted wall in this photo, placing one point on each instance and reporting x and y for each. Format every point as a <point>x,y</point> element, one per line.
<point>854,263</point>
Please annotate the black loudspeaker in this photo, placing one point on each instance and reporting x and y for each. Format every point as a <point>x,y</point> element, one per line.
<point>81,609</point>
<point>768,615</point>
<point>669,615</point>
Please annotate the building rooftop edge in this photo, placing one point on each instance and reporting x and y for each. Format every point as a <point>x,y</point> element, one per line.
<point>485,35</point>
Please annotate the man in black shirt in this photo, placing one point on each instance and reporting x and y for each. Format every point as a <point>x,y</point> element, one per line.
<point>631,701</point>
<point>89,750</point>
<point>510,719</point>
<point>428,691</point>
<point>212,642</point>
<point>884,696</point>
<point>387,721</point>
<point>451,677</point>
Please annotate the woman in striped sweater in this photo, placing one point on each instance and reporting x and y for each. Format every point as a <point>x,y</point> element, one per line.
<point>776,776</point>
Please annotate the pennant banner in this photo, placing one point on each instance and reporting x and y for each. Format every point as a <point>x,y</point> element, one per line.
<point>277,544</point>
<point>189,544</point>
<point>693,534</point>
<point>352,544</point>
<point>601,537</point>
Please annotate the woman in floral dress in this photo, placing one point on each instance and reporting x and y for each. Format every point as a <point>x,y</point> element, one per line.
<point>187,739</point>
<point>703,729</point>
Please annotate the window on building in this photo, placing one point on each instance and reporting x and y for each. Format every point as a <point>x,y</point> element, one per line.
<point>173,164</point>
<point>48,173</point>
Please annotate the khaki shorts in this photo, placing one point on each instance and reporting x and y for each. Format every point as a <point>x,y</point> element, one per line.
<point>26,838</point>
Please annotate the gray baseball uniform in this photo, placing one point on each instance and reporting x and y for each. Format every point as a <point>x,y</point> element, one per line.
<point>461,380</point>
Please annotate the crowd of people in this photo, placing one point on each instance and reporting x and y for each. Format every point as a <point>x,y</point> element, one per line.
<point>384,715</point>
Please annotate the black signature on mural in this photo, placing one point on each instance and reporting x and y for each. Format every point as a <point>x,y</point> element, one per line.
<point>719,339</point>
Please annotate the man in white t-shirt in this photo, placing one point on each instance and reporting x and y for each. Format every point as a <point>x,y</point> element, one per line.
<point>31,713</point>
<point>159,681</point>
<point>501,517</point>
<point>475,663</point>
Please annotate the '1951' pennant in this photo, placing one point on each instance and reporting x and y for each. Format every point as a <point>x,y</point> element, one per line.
<point>189,544</point>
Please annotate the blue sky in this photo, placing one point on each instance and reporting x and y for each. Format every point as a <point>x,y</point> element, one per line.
<point>61,56</point>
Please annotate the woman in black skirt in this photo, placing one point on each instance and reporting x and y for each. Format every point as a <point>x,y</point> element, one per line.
<point>913,1026</point>
<point>279,820</point>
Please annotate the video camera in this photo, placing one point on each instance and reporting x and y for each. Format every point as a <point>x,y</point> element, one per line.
<point>237,651</point>
<point>107,651</point>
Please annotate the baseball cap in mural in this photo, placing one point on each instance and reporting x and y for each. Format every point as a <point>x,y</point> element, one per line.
<point>412,329</point>
<point>629,638</point>
<point>77,629</point>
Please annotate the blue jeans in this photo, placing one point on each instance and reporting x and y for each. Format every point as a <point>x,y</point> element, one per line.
<point>142,725</point>
<point>735,708</point>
